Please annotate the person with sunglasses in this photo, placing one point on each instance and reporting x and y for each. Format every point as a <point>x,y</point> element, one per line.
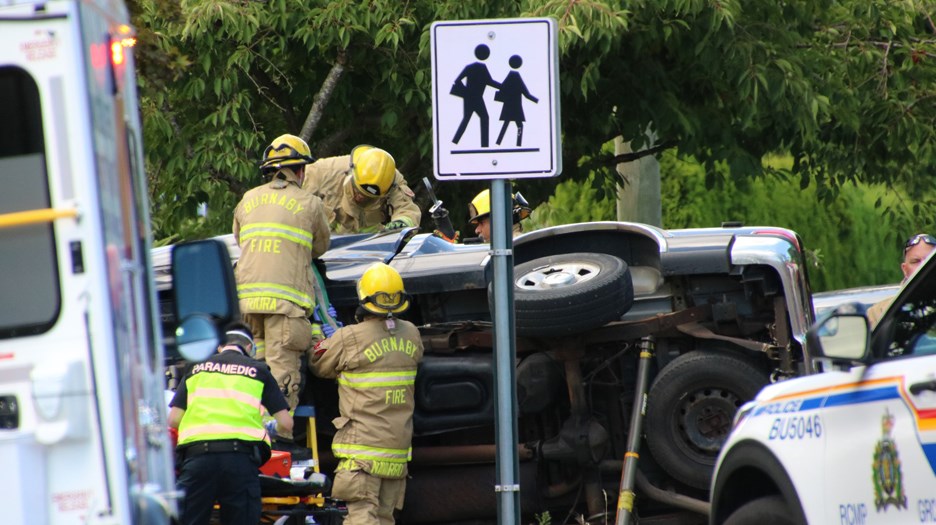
<point>280,229</point>
<point>363,192</point>
<point>916,250</point>
<point>374,362</point>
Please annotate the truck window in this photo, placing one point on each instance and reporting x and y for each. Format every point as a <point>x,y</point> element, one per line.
<point>29,279</point>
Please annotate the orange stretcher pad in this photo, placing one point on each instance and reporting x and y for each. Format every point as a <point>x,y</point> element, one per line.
<point>279,464</point>
<point>282,494</point>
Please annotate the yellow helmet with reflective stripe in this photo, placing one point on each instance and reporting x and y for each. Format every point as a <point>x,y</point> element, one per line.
<point>380,290</point>
<point>480,207</point>
<point>374,170</point>
<point>285,150</point>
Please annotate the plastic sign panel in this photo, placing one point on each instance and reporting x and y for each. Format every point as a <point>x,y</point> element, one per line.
<point>495,99</point>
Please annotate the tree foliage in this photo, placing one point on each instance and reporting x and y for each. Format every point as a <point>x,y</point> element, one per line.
<point>846,242</point>
<point>844,86</point>
<point>572,202</point>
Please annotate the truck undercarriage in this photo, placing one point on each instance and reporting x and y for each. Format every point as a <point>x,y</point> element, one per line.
<point>724,310</point>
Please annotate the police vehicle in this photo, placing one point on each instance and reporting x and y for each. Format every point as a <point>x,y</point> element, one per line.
<point>853,445</point>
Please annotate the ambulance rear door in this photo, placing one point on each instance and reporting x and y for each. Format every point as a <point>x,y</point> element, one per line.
<point>82,421</point>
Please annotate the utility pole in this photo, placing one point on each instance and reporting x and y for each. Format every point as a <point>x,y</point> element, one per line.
<point>639,197</point>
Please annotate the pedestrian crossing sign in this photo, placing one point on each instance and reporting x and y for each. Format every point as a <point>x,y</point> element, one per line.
<point>495,99</point>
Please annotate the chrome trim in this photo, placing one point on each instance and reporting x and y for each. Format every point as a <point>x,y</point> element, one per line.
<point>657,234</point>
<point>780,254</point>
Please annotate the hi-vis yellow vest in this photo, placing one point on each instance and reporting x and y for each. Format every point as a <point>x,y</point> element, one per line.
<point>222,405</point>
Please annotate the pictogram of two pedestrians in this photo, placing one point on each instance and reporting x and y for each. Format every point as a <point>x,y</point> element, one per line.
<point>470,85</point>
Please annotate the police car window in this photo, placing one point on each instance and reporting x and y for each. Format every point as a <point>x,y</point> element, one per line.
<point>915,322</point>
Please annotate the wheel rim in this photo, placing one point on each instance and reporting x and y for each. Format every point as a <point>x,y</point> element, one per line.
<point>558,275</point>
<point>704,420</point>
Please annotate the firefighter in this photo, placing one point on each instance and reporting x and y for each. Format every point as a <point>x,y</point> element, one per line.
<point>479,213</point>
<point>280,228</point>
<point>363,192</point>
<point>222,439</point>
<point>375,362</point>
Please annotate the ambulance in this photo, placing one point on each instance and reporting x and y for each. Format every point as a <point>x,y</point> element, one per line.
<point>852,445</point>
<point>83,435</point>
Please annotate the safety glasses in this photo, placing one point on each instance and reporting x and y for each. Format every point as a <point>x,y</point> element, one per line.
<point>917,239</point>
<point>387,301</point>
<point>368,191</point>
<point>284,152</point>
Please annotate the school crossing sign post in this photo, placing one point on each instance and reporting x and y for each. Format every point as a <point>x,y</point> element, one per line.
<point>495,109</point>
<point>495,99</point>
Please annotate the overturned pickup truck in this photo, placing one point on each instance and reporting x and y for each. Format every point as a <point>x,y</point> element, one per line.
<point>728,309</point>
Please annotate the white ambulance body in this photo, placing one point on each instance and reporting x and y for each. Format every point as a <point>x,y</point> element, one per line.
<point>854,445</point>
<point>83,438</point>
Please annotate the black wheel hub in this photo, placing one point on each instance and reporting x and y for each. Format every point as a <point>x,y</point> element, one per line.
<point>704,419</point>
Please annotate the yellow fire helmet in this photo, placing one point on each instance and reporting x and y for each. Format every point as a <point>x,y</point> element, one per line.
<point>480,207</point>
<point>285,150</point>
<point>380,290</point>
<point>374,170</point>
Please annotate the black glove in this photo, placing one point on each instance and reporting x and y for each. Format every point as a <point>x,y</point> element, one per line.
<point>444,225</point>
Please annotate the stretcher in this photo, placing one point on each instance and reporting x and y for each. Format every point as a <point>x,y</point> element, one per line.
<point>294,491</point>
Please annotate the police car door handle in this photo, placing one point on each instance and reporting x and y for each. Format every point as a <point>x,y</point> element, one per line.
<point>916,388</point>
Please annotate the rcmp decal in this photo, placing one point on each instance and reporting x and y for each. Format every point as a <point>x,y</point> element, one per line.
<point>888,477</point>
<point>869,391</point>
<point>853,514</point>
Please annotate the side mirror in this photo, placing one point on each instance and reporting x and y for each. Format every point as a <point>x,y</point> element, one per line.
<point>197,338</point>
<point>203,281</point>
<point>842,335</point>
<point>205,296</point>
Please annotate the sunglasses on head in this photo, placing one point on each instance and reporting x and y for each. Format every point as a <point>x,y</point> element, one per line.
<point>917,239</point>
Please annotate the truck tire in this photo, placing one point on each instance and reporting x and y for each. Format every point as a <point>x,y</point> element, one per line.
<point>570,293</point>
<point>768,510</point>
<point>691,406</point>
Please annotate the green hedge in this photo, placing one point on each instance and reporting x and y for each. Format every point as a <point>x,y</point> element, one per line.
<point>849,241</point>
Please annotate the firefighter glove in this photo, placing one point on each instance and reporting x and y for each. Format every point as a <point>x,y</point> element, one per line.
<point>395,225</point>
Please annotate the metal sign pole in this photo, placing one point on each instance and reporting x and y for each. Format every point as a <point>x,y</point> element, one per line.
<point>522,54</point>
<point>507,484</point>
